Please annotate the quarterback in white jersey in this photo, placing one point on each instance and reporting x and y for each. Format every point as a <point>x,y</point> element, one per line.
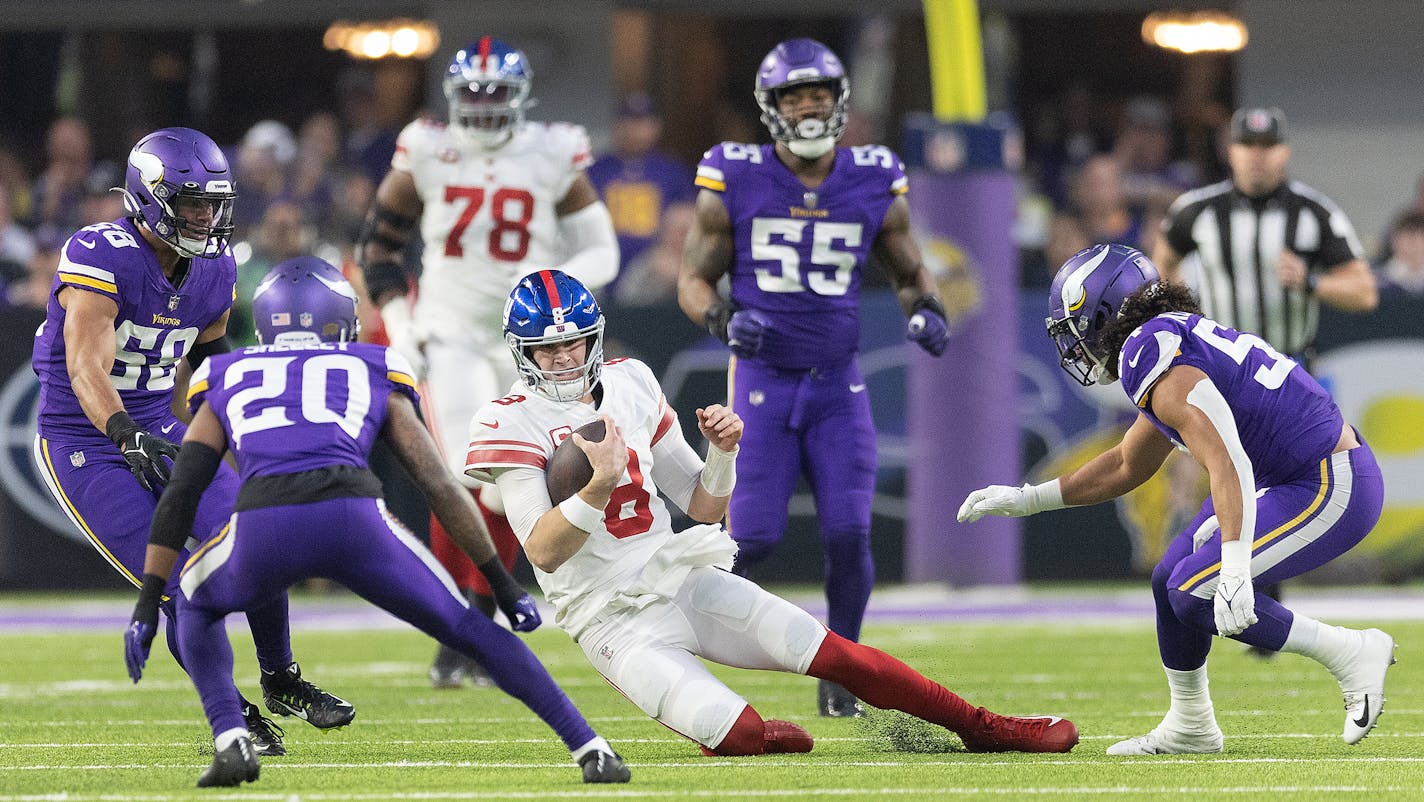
<point>642,601</point>
<point>495,196</point>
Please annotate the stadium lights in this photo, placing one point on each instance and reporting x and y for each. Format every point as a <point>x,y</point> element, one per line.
<point>398,38</point>
<point>1194,32</point>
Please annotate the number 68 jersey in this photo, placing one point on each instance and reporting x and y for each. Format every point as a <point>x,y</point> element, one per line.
<point>488,216</point>
<point>292,408</point>
<point>1286,421</point>
<point>156,325</point>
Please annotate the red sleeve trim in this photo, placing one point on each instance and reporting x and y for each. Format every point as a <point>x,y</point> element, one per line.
<point>669,418</point>
<point>490,457</point>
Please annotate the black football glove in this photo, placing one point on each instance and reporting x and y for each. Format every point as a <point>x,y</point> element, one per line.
<point>144,452</point>
<point>138,638</point>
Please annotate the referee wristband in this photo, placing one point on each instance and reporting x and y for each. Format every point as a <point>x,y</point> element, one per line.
<point>719,472</point>
<point>581,514</point>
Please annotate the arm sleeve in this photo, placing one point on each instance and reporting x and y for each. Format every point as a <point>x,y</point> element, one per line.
<point>173,517</point>
<point>526,498</point>
<point>676,467</point>
<point>587,235</point>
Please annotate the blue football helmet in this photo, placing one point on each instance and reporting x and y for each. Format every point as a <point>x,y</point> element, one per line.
<point>797,62</point>
<point>1087,292</point>
<point>487,86</point>
<point>304,301</point>
<point>179,185</point>
<point>547,308</point>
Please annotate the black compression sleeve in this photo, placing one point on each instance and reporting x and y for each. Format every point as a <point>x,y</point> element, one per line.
<point>173,517</point>
<point>201,351</point>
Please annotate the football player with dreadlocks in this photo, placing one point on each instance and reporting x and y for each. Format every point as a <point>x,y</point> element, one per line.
<point>131,298</point>
<point>1293,485</point>
<point>494,196</point>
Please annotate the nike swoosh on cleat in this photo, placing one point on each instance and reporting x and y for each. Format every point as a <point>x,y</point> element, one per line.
<point>1364,719</point>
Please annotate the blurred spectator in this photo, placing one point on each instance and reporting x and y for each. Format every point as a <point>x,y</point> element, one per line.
<point>59,190</point>
<point>101,202</point>
<point>639,183</point>
<point>651,278</point>
<point>1065,238</point>
<point>264,160</point>
<point>314,176</point>
<point>1143,149</point>
<point>283,234</point>
<point>1402,274</point>
<point>1415,205</point>
<point>16,183</point>
<point>369,143</point>
<point>33,289</point>
<point>1064,137</point>
<point>1098,199</point>
<point>354,193</point>
<point>17,245</point>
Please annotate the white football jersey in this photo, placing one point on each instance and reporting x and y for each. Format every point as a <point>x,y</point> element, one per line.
<point>634,552</point>
<point>488,216</point>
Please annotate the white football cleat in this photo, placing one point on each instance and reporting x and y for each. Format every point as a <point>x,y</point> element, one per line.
<point>1362,682</point>
<point>1164,741</point>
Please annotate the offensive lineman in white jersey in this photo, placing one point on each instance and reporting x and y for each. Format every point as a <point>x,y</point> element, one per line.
<point>642,601</point>
<point>494,195</point>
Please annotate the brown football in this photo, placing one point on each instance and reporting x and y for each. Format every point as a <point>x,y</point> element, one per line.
<point>568,469</point>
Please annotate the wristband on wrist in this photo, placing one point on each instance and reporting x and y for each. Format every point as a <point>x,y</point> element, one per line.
<point>1047,496</point>
<point>151,594</point>
<point>717,317</point>
<point>581,514</point>
<point>930,302</point>
<point>119,426</point>
<point>719,472</point>
<point>1236,555</point>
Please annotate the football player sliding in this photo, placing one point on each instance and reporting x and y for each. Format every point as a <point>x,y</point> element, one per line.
<point>791,224</point>
<point>130,299</point>
<point>302,410</point>
<point>495,196</point>
<point>642,601</point>
<point>1293,485</point>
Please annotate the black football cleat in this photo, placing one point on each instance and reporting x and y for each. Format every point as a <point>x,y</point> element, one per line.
<point>265,734</point>
<point>834,701</point>
<point>448,670</point>
<point>287,694</point>
<point>604,767</point>
<point>232,766</point>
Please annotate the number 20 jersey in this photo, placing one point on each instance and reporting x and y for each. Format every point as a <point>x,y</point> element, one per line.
<point>488,216</point>
<point>1286,421</point>
<point>299,408</point>
<point>157,324</point>
<point>798,253</point>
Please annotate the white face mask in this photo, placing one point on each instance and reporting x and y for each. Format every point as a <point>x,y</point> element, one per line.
<point>811,148</point>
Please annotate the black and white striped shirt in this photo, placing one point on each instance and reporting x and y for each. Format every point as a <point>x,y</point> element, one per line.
<point>1237,241</point>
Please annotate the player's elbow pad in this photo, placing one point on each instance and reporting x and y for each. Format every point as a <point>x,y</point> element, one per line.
<point>178,507</point>
<point>588,235</point>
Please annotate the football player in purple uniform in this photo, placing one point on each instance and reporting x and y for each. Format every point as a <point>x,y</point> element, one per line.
<point>1292,484</point>
<point>793,223</point>
<point>130,299</point>
<point>300,412</point>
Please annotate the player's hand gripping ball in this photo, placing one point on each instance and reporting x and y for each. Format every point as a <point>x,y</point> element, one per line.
<point>569,469</point>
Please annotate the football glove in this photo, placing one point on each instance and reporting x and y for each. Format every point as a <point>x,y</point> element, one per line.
<point>522,613</point>
<point>144,452</point>
<point>745,332</point>
<point>928,327</point>
<point>1235,602</point>
<point>1011,502</point>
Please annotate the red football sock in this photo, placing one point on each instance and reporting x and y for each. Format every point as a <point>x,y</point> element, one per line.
<point>747,737</point>
<point>879,679</point>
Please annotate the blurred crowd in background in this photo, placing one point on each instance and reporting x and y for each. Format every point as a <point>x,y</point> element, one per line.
<point>1097,169</point>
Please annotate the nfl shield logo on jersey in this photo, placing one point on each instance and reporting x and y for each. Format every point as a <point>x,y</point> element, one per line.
<point>305,319</point>
<point>77,459</point>
<point>173,302</point>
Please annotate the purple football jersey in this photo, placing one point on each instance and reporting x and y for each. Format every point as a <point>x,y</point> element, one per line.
<point>798,252</point>
<point>292,408</point>
<point>157,323</point>
<point>1287,422</point>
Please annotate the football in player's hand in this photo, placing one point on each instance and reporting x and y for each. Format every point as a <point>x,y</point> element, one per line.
<point>569,469</point>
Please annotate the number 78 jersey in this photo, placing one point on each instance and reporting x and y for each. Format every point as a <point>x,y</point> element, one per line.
<point>799,252</point>
<point>1286,421</point>
<point>488,217</point>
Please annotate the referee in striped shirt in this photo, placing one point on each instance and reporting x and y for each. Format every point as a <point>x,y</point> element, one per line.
<point>1270,250</point>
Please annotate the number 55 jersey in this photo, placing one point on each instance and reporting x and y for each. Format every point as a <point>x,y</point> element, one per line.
<point>799,252</point>
<point>157,324</point>
<point>1286,421</point>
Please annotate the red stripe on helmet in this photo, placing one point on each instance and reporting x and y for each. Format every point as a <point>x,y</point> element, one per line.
<point>484,53</point>
<point>553,289</point>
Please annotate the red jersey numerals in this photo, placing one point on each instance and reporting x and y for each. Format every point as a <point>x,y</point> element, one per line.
<point>511,209</point>
<point>641,519</point>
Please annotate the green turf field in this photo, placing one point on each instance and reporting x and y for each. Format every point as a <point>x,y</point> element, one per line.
<point>73,728</point>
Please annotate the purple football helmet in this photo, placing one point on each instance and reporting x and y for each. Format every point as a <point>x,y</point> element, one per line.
<point>797,62</point>
<point>487,85</point>
<point>547,308</point>
<point>1087,292</point>
<point>179,185</point>
<point>304,301</point>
